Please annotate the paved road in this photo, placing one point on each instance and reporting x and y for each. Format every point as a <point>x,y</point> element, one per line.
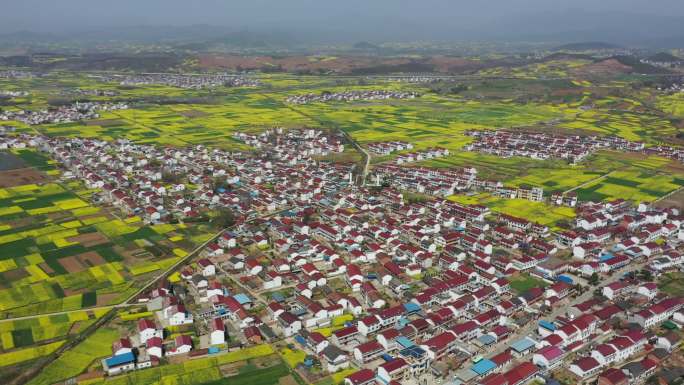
<point>363,152</point>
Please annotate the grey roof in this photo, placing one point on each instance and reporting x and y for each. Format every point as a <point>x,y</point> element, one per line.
<point>331,352</point>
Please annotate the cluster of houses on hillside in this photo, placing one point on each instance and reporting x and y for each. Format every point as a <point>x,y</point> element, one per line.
<point>571,148</point>
<point>63,114</point>
<point>386,148</point>
<point>350,96</point>
<point>188,81</point>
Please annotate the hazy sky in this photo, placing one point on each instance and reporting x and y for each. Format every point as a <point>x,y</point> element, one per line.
<point>375,18</point>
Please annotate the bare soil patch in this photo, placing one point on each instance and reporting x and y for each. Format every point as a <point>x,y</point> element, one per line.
<point>106,299</point>
<point>71,264</point>
<point>21,176</point>
<point>287,380</point>
<point>193,113</point>
<point>14,274</point>
<point>89,239</point>
<point>91,259</point>
<point>674,200</point>
<point>46,268</point>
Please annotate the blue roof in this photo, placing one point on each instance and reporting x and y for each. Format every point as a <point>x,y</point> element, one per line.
<point>404,342</point>
<point>411,307</point>
<point>120,359</point>
<point>299,339</point>
<point>522,345</point>
<point>242,298</point>
<point>605,257</point>
<point>278,297</point>
<point>403,321</point>
<point>487,339</point>
<point>547,325</point>
<point>413,351</point>
<point>565,279</point>
<point>483,366</point>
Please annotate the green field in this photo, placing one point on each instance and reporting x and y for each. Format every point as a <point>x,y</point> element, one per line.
<point>524,282</point>
<point>58,252</point>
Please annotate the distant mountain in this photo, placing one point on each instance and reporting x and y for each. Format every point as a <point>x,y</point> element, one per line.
<point>587,46</point>
<point>366,46</point>
<point>567,56</point>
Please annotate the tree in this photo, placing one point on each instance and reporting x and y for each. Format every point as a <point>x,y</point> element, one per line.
<point>594,279</point>
<point>646,275</point>
<point>224,218</point>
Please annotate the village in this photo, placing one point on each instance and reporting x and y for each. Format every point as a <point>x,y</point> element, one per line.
<point>571,148</point>
<point>63,114</point>
<point>348,96</point>
<point>186,81</point>
<point>397,291</point>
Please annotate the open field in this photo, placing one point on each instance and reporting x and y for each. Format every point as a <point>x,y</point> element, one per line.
<point>257,366</point>
<point>58,252</point>
<point>61,252</point>
<point>523,282</point>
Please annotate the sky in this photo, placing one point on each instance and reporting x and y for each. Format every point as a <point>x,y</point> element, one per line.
<point>374,19</point>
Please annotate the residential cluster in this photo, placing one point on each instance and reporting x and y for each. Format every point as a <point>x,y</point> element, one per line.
<point>573,148</point>
<point>445,182</point>
<point>13,94</point>
<point>386,148</point>
<point>63,114</point>
<point>15,74</point>
<point>188,81</point>
<point>153,182</point>
<point>349,96</point>
<point>423,79</point>
<point>427,154</point>
<point>360,277</point>
<point>306,142</point>
<point>87,92</point>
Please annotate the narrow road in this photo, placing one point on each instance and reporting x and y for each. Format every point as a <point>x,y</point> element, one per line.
<point>366,155</point>
<point>671,193</point>
<point>589,182</point>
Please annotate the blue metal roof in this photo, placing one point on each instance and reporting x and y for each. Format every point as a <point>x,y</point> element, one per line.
<point>487,339</point>
<point>120,359</point>
<point>605,257</point>
<point>413,351</point>
<point>547,325</point>
<point>411,307</point>
<point>483,366</point>
<point>566,279</point>
<point>278,297</point>
<point>403,321</point>
<point>404,342</point>
<point>242,298</point>
<point>522,345</point>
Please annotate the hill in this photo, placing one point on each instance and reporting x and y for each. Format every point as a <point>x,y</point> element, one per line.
<point>664,57</point>
<point>587,46</point>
